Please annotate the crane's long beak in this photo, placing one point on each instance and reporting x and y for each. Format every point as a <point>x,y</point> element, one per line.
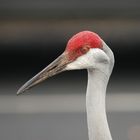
<point>57,66</point>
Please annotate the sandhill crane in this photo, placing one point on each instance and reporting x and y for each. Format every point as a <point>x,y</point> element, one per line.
<point>85,50</point>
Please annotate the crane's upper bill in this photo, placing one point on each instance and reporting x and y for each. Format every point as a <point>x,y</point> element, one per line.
<point>54,68</point>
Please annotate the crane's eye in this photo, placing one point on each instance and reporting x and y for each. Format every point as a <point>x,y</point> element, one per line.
<point>84,49</point>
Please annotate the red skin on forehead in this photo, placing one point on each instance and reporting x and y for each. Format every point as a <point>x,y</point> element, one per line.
<point>84,38</point>
<point>81,39</point>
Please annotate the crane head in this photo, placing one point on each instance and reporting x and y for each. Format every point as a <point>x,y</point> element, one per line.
<point>84,50</point>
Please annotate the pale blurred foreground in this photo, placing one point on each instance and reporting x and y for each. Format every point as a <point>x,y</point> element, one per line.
<point>63,117</point>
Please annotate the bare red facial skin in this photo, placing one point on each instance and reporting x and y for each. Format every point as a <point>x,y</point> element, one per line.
<point>80,44</point>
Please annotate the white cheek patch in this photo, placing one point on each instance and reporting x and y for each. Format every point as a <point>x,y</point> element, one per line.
<point>81,62</point>
<point>92,59</point>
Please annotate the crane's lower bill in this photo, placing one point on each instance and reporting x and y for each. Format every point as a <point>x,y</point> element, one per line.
<point>54,68</point>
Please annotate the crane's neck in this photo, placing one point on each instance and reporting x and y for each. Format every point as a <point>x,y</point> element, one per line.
<point>95,104</point>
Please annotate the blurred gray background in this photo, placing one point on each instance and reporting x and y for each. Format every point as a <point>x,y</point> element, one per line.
<point>32,34</point>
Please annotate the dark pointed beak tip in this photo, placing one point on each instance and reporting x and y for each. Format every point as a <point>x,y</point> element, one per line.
<point>57,66</point>
<point>20,91</point>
